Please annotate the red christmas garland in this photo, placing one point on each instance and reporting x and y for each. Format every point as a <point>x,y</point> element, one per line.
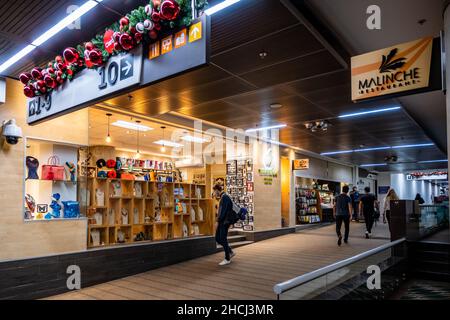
<point>142,24</point>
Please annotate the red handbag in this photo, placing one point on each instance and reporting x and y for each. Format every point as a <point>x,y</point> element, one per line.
<point>53,170</point>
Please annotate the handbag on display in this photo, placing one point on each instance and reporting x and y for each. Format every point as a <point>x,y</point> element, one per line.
<point>32,165</point>
<point>53,170</point>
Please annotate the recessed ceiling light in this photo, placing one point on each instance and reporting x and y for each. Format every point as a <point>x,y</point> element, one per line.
<point>131,125</point>
<point>276,106</point>
<point>168,143</point>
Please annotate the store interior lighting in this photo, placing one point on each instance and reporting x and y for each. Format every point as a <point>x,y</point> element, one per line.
<point>358,114</point>
<point>317,126</point>
<point>168,143</point>
<point>220,6</point>
<point>279,126</point>
<point>194,139</point>
<point>131,126</point>
<point>421,145</point>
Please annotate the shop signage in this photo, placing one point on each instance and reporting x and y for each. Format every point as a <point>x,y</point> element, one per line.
<point>427,175</point>
<point>301,164</point>
<point>89,86</point>
<point>393,70</point>
<point>176,53</point>
<point>267,173</point>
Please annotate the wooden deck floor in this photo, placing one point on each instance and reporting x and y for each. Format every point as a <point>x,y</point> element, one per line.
<point>252,275</point>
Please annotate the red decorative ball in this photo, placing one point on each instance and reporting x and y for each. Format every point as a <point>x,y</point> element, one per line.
<point>59,59</point>
<point>156,16</point>
<point>25,78</point>
<point>59,80</point>
<point>116,36</point>
<point>89,46</point>
<point>112,174</point>
<point>157,27</point>
<point>51,70</point>
<point>169,10</point>
<point>36,73</point>
<point>117,46</point>
<point>124,21</point>
<point>126,41</point>
<point>28,91</point>
<point>96,57</point>
<point>138,37</point>
<point>153,35</point>
<point>71,55</point>
<point>49,82</point>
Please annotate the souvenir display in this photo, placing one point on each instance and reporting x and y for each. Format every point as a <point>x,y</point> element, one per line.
<point>32,166</point>
<point>98,218</point>
<point>306,205</point>
<point>193,214</point>
<point>198,192</point>
<point>53,170</point>
<point>200,215</point>
<point>71,209</point>
<point>56,206</point>
<point>137,189</point>
<point>185,230</point>
<point>120,236</point>
<point>102,174</point>
<point>112,217</point>
<point>116,189</point>
<point>72,170</point>
<point>101,163</point>
<point>125,217</point>
<point>30,206</point>
<point>158,216</point>
<point>112,174</point>
<point>95,237</point>
<point>184,208</point>
<point>196,229</point>
<point>99,198</point>
<point>136,216</point>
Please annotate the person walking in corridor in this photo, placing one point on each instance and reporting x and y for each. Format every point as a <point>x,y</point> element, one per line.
<point>342,214</point>
<point>354,195</point>
<point>391,196</point>
<point>367,204</point>
<point>223,224</point>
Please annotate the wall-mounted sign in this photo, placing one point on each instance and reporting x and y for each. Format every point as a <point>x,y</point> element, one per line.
<point>301,164</point>
<point>89,86</point>
<point>383,189</point>
<point>267,173</point>
<point>393,70</point>
<point>427,175</point>
<point>184,50</point>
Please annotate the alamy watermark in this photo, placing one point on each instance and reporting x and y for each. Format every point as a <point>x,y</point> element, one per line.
<point>74,280</point>
<point>76,25</point>
<point>374,19</point>
<point>374,280</point>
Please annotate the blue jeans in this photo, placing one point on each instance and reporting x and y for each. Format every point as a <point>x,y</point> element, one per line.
<point>221,238</point>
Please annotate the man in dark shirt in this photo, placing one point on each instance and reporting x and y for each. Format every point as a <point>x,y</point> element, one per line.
<point>342,213</point>
<point>354,195</point>
<point>225,206</point>
<point>367,205</point>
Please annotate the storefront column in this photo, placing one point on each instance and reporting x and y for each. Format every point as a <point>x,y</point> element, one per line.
<point>447,63</point>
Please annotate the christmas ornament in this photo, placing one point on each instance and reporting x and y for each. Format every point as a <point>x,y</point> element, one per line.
<point>49,82</point>
<point>96,57</point>
<point>148,10</point>
<point>148,25</point>
<point>138,37</point>
<point>89,46</point>
<point>109,41</point>
<point>155,16</point>
<point>153,35</point>
<point>25,78</point>
<point>140,27</point>
<point>126,41</point>
<point>71,55</point>
<point>156,3</point>
<point>169,10</point>
<point>28,92</point>
<point>157,27</point>
<point>36,73</point>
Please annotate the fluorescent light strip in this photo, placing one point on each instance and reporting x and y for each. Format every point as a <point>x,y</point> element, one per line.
<point>168,143</point>
<point>18,56</point>
<point>148,153</point>
<point>194,139</point>
<point>374,165</point>
<point>89,5</point>
<point>66,22</point>
<point>220,6</point>
<point>357,114</point>
<point>378,148</point>
<point>280,126</point>
<point>131,126</point>
<point>414,146</point>
<point>433,161</point>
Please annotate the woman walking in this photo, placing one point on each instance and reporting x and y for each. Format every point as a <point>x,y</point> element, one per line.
<point>391,196</point>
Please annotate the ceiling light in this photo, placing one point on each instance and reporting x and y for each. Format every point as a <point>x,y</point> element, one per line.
<point>86,7</point>
<point>168,143</point>
<point>371,149</point>
<point>108,136</point>
<point>18,56</point>
<point>433,161</point>
<point>357,114</point>
<point>336,152</point>
<point>280,126</point>
<point>89,5</point>
<point>194,139</point>
<point>276,106</point>
<point>220,6</point>
<point>131,125</point>
<point>414,145</point>
<point>374,165</point>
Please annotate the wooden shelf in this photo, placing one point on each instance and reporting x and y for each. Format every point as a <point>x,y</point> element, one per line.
<point>97,207</point>
<point>97,226</point>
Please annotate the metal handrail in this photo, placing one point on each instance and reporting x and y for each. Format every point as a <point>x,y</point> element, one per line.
<point>287,285</point>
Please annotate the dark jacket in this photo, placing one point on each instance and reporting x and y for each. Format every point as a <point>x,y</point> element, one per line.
<point>225,207</point>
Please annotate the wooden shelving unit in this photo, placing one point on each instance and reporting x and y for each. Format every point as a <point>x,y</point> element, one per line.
<point>161,211</point>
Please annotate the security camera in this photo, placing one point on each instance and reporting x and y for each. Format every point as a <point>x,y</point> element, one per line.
<point>11,132</point>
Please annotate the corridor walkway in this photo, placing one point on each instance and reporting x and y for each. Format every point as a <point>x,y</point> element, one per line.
<point>252,275</point>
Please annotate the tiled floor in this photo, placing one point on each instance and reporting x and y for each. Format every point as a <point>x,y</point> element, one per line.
<point>252,275</point>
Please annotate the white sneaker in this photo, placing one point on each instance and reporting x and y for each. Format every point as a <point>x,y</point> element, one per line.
<point>225,262</point>
<point>232,255</point>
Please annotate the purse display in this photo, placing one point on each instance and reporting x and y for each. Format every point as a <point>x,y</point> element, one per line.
<point>53,170</point>
<point>32,165</point>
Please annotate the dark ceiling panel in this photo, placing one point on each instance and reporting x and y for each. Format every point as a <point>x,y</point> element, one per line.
<point>286,45</point>
<point>302,67</point>
<point>247,21</point>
